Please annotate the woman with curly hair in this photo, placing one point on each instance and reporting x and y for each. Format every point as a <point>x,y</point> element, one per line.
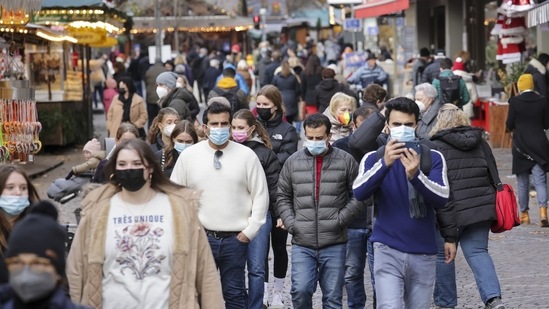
<point>162,127</point>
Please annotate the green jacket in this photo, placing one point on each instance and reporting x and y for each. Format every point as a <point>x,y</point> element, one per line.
<point>463,92</point>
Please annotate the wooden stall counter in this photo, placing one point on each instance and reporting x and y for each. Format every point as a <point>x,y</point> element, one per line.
<point>491,115</point>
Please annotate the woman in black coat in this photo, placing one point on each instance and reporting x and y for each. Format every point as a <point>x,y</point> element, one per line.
<point>284,140</point>
<point>270,110</point>
<point>528,117</point>
<point>468,215</point>
<point>249,132</point>
<point>289,86</point>
<point>326,89</point>
<point>310,78</point>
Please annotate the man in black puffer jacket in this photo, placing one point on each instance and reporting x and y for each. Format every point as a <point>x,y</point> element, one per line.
<point>315,203</point>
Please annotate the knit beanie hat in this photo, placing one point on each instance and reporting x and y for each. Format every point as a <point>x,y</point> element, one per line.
<point>39,233</point>
<point>458,64</point>
<point>167,78</point>
<point>525,82</point>
<point>92,146</point>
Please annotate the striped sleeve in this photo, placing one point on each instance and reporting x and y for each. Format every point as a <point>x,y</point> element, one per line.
<point>370,176</point>
<point>434,189</point>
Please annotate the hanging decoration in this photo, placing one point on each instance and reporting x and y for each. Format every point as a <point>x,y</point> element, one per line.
<point>20,129</point>
<point>511,29</point>
<point>18,12</point>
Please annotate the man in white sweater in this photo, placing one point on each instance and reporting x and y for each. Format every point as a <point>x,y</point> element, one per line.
<point>234,198</point>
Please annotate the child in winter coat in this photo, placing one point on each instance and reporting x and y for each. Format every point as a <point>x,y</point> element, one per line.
<point>108,94</point>
<point>92,154</point>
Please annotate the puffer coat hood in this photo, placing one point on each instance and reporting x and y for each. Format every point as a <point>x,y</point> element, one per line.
<point>462,138</point>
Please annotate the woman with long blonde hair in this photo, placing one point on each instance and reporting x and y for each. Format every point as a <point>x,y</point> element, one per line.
<point>469,212</point>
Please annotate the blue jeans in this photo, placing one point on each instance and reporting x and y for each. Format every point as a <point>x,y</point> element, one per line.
<point>355,263</point>
<point>403,280</point>
<point>311,266</point>
<point>473,240</point>
<point>258,249</point>
<point>540,183</point>
<point>230,257</point>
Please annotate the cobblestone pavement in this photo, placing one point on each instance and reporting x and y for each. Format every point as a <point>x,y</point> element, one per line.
<point>521,256</point>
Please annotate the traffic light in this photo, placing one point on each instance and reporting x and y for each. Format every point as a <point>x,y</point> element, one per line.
<point>257,22</point>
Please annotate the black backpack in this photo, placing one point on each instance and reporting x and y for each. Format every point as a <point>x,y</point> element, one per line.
<point>449,87</point>
<point>231,96</point>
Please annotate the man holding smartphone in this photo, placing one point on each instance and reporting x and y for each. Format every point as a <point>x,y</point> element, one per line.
<point>404,231</point>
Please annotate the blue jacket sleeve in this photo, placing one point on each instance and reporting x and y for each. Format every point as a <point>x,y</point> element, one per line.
<point>434,189</point>
<point>242,84</point>
<point>355,78</point>
<point>371,173</point>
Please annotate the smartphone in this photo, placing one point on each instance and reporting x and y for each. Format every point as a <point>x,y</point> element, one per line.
<point>415,145</point>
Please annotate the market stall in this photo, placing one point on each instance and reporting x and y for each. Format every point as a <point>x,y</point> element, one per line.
<point>59,70</point>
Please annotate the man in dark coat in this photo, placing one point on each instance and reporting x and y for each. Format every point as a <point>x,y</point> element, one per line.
<point>528,117</point>
<point>150,85</point>
<point>269,71</point>
<point>538,69</point>
<point>432,70</point>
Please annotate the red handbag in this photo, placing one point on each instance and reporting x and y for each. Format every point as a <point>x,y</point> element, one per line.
<point>507,216</point>
<point>506,210</point>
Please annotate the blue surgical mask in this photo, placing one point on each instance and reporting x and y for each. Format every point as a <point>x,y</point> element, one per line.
<point>219,136</point>
<point>403,133</point>
<point>316,147</point>
<point>180,146</point>
<point>14,205</point>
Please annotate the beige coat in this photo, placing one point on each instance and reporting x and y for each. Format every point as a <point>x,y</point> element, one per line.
<point>138,114</point>
<point>194,282</point>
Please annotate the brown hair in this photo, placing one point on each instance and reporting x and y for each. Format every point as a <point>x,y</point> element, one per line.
<point>126,127</point>
<point>154,129</point>
<point>5,225</point>
<point>252,121</point>
<point>285,68</point>
<point>184,126</point>
<point>374,93</point>
<point>328,73</point>
<point>145,153</point>
<point>273,94</point>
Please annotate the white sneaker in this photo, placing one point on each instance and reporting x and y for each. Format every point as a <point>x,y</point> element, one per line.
<point>277,300</point>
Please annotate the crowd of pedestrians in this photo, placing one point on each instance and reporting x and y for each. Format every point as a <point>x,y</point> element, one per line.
<point>181,213</point>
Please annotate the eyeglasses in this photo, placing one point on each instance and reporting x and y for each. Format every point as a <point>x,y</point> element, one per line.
<point>217,155</point>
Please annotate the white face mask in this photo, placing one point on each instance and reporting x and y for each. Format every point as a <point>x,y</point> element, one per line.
<point>421,106</point>
<point>161,92</point>
<point>178,85</point>
<point>169,129</point>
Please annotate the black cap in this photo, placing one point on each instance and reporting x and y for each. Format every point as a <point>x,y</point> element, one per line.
<point>371,56</point>
<point>424,52</point>
<point>39,233</point>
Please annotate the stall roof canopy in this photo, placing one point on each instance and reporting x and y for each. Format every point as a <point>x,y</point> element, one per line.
<point>46,4</point>
<point>192,24</point>
<point>375,8</point>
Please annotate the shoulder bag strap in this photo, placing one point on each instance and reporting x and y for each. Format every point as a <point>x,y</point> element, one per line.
<point>491,167</point>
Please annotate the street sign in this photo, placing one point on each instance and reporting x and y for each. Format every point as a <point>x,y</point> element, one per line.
<point>373,31</point>
<point>353,24</point>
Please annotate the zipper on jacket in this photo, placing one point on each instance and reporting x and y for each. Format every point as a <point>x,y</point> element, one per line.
<point>315,199</point>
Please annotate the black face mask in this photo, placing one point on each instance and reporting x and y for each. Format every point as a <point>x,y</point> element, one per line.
<point>122,92</point>
<point>264,113</point>
<point>131,179</point>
